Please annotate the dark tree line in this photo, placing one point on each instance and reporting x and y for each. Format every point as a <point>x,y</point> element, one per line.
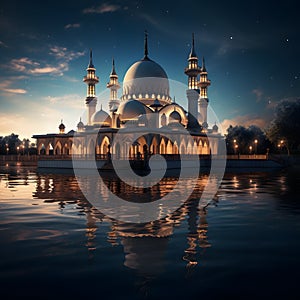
<point>251,140</point>
<point>11,144</point>
<point>282,135</point>
<point>284,130</point>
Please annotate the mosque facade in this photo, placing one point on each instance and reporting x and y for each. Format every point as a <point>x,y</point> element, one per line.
<point>145,103</point>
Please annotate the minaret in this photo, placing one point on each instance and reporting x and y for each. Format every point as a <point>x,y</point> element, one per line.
<point>193,69</point>
<point>203,84</point>
<point>91,80</point>
<point>113,85</point>
<point>192,72</point>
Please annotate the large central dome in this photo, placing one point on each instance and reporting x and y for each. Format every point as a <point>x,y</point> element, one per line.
<point>146,81</point>
<point>145,68</point>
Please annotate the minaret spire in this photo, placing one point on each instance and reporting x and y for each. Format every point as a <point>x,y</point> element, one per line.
<point>113,69</point>
<point>91,60</point>
<point>193,53</point>
<point>146,45</point>
<point>203,69</point>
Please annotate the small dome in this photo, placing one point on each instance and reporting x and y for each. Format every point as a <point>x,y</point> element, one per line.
<point>80,124</point>
<point>101,118</point>
<point>215,128</point>
<point>174,117</point>
<point>61,127</point>
<point>205,125</point>
<point>131,110</point>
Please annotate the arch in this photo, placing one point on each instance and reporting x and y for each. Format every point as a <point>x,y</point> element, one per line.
<point>195,147</point>
<point>175,148</point>
<point>162,147</point>
<point>41,149</point>
<point>205,149</point>
<point>189,148</point>
<point>154,147</point>
<point>169,148</point>
<point>66,148</point>
<point>58,148</point>
<point>117,151</point>
<point>91,147</point>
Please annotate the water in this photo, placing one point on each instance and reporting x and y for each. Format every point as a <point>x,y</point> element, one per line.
<point>245,244</point>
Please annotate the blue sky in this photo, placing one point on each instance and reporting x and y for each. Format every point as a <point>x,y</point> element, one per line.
<point>251,51</point>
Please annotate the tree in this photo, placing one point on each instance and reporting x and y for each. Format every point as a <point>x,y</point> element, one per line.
<point>285,128</point>
<point>9,144</point>
<point>242,140</point>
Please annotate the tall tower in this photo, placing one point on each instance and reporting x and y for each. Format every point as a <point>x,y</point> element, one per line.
<point>203,84</point>
<point>113,85</point>
<point>91,80</point>
<point>192,71</point>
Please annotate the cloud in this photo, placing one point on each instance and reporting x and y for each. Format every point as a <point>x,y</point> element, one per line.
<point>49,70</point>
<point>62,55</point>
<point>2,44</point>
<point>67,101</point>
<point>5,86</point>
<point>15,91</point>
<point>28,66</point>
<point>258,93</point>
<point>21,64</point>
<point>71,26</point>
<point>101,9</point>
<point>246,121</point>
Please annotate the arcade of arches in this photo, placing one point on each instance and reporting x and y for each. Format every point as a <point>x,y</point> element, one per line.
<point>102,144</point>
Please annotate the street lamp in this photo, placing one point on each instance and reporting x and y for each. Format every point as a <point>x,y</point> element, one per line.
<point>250,149</point>
<point>235,148</point>
<point>255,143</point>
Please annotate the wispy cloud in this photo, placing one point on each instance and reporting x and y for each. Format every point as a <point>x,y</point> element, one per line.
<point>2,44</point>
<point>61,54</point>
<point>245,120</point>
<point>65,54</point>
<point>101,9</point>
<point>7,89</point>
<point>258,93</point>
<point>67,101</point>
<point>71,26</point>
<point>30,67</point>
<point>15,91</point>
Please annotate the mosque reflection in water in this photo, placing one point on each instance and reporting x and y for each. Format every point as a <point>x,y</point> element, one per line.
<point>144,245</point>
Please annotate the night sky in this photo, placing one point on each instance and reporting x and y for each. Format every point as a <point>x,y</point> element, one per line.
<point>251,50</point>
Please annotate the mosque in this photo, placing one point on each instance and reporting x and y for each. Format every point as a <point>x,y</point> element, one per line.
<point>145,103</point>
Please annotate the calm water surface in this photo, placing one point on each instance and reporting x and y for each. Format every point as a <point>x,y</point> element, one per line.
<point>55,245</point>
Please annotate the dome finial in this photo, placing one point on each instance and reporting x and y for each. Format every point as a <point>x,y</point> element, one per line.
<point>146,45</point>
